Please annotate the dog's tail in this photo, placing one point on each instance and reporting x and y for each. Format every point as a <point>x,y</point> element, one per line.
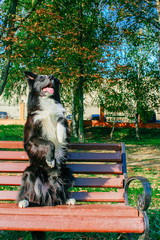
<point>38,235</point>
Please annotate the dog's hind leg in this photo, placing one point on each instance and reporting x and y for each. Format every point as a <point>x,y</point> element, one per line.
<point>50,155</point>
<point>41,151</point>
<point>39,235</point>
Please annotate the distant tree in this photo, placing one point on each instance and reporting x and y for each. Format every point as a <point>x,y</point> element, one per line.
<point>134,87</point>
<point>131,62</point>
<point>141,83</point>
<point>112,96</point>
<point>135,15</point>
<point>158,16</point>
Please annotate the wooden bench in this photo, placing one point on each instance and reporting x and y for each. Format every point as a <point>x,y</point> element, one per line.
<point>100,178</point>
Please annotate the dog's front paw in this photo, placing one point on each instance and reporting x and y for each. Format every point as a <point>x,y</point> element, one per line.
<point>23,204</point>
<point>61,133</point>
<point>51,163</point>
<point>71,201</point>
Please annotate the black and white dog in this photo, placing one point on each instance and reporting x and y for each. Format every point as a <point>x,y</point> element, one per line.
<point>46,134</point>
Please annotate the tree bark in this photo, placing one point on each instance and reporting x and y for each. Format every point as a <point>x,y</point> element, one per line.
<point>137,103</point>
<point>113,128</point>
<point>158,12</point>
<point>74,122</point>
<point>4,74</point>
<point>81,78</point>
<point>137,126</point>
<point>81,110</point>
<point>101,113</point>
<point>10,33</point>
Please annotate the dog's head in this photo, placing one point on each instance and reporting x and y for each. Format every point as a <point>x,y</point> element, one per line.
<point>43,85</point>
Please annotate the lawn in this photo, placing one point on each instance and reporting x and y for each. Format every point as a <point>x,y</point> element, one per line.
<point>142,159</point>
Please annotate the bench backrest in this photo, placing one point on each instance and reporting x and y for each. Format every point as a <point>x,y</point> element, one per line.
<point>99,170</point>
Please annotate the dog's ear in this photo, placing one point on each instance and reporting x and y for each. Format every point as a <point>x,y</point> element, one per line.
<point>56,80</point>
<point>30,75</point>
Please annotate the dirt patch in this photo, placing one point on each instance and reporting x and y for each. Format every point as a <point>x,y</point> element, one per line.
<point>143,155</point>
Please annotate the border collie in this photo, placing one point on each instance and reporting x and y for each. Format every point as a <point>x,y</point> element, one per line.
<point>46,134</point>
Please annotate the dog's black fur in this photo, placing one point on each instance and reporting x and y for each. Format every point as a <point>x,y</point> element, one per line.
<point>46,134</point>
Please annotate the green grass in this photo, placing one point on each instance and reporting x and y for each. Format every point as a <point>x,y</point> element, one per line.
<point>137,164</point>
<point>11,132</point>
<point>126,135</point>
<point>96,134</point>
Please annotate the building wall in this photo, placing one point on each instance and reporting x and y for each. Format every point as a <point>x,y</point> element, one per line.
<point>90,108</point>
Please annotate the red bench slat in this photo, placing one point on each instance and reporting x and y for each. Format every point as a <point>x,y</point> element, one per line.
<point>13,155</point>
<point>72,156</point>
<point>11,144</point>
<point>76,168</point>
<point>71,223</point>
<point>99,182</point>
<point>79,196</point>
<point>96,168</point>
<point>13,167</point>
<point>8,195</point>
<point>95,146</point>
<point>98,196</point>
<point>79,182</point>
<point>82,210</point>
<point>95,157</point>
<point>79,146</point>
<point>10,180</point>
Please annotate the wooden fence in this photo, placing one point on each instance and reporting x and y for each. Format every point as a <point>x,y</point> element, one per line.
<point>20,121</point>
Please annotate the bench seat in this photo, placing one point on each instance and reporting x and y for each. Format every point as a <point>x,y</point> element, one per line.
<point>100,189</point>
<point>78,218</point>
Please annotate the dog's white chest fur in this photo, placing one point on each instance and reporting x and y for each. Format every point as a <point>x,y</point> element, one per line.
<point>52,130</point>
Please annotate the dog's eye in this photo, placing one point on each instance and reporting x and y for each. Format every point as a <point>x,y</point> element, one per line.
<point>41,78</point>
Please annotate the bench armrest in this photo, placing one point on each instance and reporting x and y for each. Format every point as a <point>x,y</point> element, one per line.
<point>143,200</point>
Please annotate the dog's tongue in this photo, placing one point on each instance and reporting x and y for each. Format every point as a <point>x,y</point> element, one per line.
<point>49,90</point>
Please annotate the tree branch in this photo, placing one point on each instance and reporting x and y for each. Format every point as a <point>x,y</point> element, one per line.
<point>22,20</point>
<point>12,30</point>
<point>28,15</point>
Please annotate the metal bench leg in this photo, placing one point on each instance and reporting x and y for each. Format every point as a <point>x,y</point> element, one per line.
<point>145,235</point>
<point>38,235</point>
<point>128,236</point>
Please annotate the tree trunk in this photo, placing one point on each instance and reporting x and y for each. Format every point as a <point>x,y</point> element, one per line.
<point>74,122</point>
<point>137,126</point>
<point>101,118</point>
<point>113,128</point>
<point>81,110</point>
<point>158,13</point>
<point>10,33</point>
<point>4,74</point>
<point>137,103</point>
<point>81,78</point>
